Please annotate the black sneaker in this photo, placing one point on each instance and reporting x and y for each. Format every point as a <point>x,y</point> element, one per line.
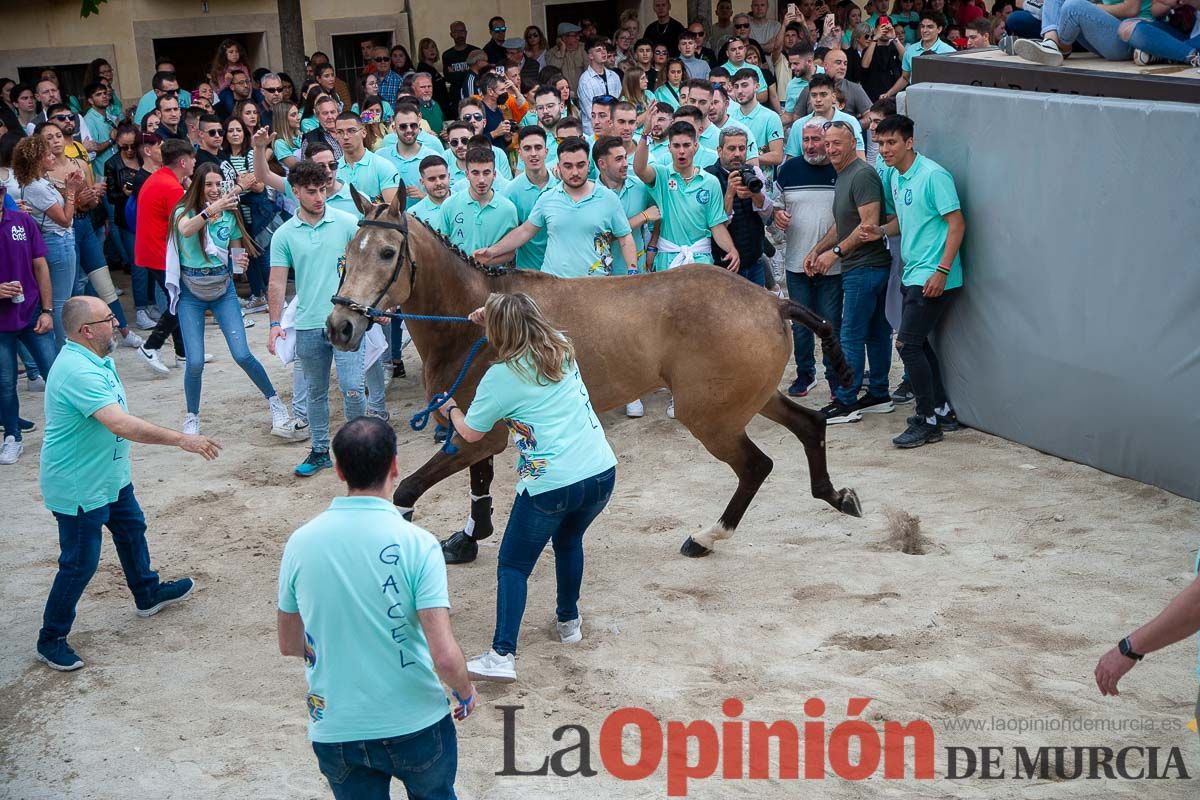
<point>26,425</point>
<point>871,404</point>
<point>167,594</point>
<point>837,413</point>
<point>948,422</point>
<point>903,394</point>
<point>59,655</point>
<point>801,386</point>
<point>917,433</point>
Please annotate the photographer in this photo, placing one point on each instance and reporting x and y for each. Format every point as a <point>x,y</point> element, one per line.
<point>746,202</point>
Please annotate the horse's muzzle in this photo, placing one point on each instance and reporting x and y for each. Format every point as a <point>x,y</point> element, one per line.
<point>345,328</point>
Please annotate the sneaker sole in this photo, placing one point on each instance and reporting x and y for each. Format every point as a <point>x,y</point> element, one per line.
<point>879,408</point>
<point>290,435</point>
<point>578,637</point>
<point>152,610</point>
<point>855,417</point>
<point>492,678</point>
<point>300,474</point>
<point>1029,50</point>
<point>59,667</point>
<point>902,402</point>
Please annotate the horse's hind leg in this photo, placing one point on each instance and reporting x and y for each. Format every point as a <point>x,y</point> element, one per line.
<point>809,428</point>
<point>752,466</point>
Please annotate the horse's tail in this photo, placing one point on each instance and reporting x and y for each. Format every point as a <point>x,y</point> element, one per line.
<point>829,341</point>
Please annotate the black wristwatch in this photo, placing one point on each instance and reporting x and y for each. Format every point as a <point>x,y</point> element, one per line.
<point>837,250</point>
<point>1127,650</point>
<point>49,311</point>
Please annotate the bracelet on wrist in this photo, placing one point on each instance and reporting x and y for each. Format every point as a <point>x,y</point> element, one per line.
<point>944,270</point>
<point>276,324</point>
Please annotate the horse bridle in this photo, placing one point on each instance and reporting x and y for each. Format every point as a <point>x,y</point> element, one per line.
<point>404,255</point>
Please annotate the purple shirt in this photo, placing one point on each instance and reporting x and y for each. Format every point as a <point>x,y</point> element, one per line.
<point>20,243</point>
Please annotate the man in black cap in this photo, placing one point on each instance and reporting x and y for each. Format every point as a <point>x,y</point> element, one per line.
<point>567,54</point>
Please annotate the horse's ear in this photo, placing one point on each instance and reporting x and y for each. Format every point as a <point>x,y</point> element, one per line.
<point>363,204</point>
<point>400,201</point>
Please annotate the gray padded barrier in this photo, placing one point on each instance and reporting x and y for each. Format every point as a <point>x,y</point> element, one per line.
<point>1078,333</point>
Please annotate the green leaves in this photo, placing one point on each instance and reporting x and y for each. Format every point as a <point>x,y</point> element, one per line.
<point>89,7</point>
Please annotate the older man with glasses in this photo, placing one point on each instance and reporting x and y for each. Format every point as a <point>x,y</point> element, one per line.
<point>389,81</point>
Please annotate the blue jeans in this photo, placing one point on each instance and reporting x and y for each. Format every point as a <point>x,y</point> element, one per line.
<point>91,258</point>
<point>425,762</point>
<point>822,294</point>
<point>79,537</point>
<point>228,314</point>
<point>754,272</point>
<point>62,260</point>
<point>1160,39</point>
<point>560,516</point>
<point>41,348</point>
<point>1097,30</point>
<point>375,383</point>
<point>1023,25</point>
<point>316,355</point>
<point>864,322</point>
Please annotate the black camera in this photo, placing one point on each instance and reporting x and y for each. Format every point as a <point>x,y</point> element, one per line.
<point>750,178</point>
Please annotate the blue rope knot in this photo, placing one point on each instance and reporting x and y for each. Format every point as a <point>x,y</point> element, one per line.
<point>421,419</point>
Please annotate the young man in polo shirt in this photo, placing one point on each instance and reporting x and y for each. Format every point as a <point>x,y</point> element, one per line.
<point>930,222</point>
<point>581,220</point>
<point>931,26</point>
<point>313,244</point>
<point>525,190</point>
<point>435,180</point>
<point>478,217</point>
<point>408,153</point>
<point>820,95</point>
<point>736,52</point>
<point>372,175</point>
<point>764,124</point>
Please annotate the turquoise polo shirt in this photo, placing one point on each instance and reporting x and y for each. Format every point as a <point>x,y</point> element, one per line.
<point>710,137</point>
<point>429,212</point>
<point>663,94</point>
<point>221,230</point>
<point>582,233</point>
<point>357,575</point>
<point>425,138</point>
<point>732,70</point>
<point>795,88</point>
<point>704,157</point>
<point>315,252</point>
<point>558,438</point>
<point>551,153</point>
<point>503,168</point>
<point>795,142</point>
<point>84,464</point>
<point>524,194</point>
<point>408,168</point>
<point>370,175</point>
<point>689,209</point>
<point>918,49</point>
<point>920,199</point>
<point>471,226</point>
<point>285,149</point>
<point>146,104</point>
<point>635,198</point>
<point>100,127</point>
<point>340,200</point>
<point>763,123</point>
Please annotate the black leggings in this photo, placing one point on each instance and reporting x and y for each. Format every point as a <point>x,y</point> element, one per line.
<point>168,323</point>
<point>918,318</point>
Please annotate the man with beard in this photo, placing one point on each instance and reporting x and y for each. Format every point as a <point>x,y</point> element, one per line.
<point>527,187</point>
<point>435,180</point>
<point>409,152</point>
<point>478,217</point>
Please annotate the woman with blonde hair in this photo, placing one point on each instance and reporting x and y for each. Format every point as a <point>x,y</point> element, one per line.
<point>535,45</point>
<point>565,467</point>
<point>285,133</point>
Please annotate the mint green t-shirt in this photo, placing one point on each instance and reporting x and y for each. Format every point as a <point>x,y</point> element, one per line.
<point>100,127</point>
<point>912,51</point>
<point>314,252</point>
<point>523,194</point>
<point>357,575</point>
<point>429,212</point>
<point>667,94</point>
<point>558,438</point>
<point>471,226</point>
<point>635,198</point>
<point>581,233</point>
<point>309,124</point>
<point>732,70</point>
<point>763,123</point>
<point>370,175</point>
<point>220,230</point>
<point>920,199</point>
<point>84,464</point>
<point>408,168</point>
<point>689,209</point>
<point>285,149</point>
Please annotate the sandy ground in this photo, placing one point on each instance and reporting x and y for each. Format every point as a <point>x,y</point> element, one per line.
<point>1033,568</point>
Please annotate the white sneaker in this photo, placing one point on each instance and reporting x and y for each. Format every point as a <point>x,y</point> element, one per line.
<point>282,425</point>
<point>635,410</point>
<point>246,321</point>
<point>571,631</point>
<point>491,666</point>
<point>12,449</point>
<point>191,425</point>
<point>181,361</point>
<point>1039,52</point>
<point>143,321</point>
<point>152,361</point>
<point>155,313</point>
<point>37,384</point>
<point>131,339</point>
<point>671,408</point>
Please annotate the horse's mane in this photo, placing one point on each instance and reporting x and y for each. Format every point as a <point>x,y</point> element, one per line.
<point>467,258</point>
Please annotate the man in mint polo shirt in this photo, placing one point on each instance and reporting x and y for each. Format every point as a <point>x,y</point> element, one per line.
<point>820,95</point>
<point>478,217</point>
<point>527,187</point>
<point>363,600</point>
<point>87,479</point>
<point>372,175</point>
<point>581,219</point>
<point>763,123</point>
<point>930,30</point>
<point>736,52</point>
<point>408,152</point>
<point>930,223</point>
<point>313,244</point>
<point>691,203</point>
<point>435,180</point>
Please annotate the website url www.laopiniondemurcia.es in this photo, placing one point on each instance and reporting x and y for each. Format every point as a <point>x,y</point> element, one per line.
<point>634,745</point>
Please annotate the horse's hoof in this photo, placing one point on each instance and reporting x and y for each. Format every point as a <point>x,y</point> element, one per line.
<point>408,515</point>
<point>850,503</point>
<point>459,549</point>
<point>692,549</point>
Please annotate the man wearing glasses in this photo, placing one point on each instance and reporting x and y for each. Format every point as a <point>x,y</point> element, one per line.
<point>48,95</point>
<point>239,89</point>
<point>87,479</point>
<point>409,152</point>
<point>212,136</point>
<point>470,111</point>
<point>271,87</point>
<point>498,31</point>
<point>597,80</point>
<point>372,175</point>
<point>389,81</point>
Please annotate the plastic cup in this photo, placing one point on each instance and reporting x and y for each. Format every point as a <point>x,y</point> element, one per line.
<point>236,253</point>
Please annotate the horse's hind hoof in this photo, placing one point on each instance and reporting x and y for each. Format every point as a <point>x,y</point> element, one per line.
<point>459,549</point>
<point>850,503</point>
<point>692,549</point>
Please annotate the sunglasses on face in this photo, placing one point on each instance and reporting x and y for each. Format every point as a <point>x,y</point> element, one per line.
<point>331,166</point>
<point>61,117</point>
<point>473,117</point>
<point>407,126</point>
<point>272,89</point>
<point>741,25</point>
<point>127,147</point>
<point>382,60</point>
<point>214,133</point>
<point>458,142</point>
<point>499,30</point>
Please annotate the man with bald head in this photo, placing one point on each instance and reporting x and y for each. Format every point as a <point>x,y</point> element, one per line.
<point>87,481</point>
<point>836,64</point>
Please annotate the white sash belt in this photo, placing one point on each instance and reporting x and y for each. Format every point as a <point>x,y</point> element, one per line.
<point>685,254</point>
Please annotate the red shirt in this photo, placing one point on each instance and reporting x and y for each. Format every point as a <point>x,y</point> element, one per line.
<point>155,201</point>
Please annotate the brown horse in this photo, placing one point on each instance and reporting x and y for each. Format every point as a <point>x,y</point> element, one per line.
<point>719,343</point>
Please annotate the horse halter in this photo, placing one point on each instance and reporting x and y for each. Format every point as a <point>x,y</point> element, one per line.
<point>405,255</point>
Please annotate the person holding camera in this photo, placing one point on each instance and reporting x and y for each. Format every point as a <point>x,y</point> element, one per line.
<point>746,202</point>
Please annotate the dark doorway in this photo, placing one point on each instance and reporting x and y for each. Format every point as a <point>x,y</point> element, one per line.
<point>70,78</point>
<point>604,14</point>
<point>348,59</point>
<point>193,55</point>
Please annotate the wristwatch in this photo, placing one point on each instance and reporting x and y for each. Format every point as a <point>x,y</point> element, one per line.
<point>1127,650</point>
<point>49,311</point>
<point>837,250</point>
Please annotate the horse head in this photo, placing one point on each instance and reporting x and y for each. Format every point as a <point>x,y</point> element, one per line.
<point>380,269</point>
